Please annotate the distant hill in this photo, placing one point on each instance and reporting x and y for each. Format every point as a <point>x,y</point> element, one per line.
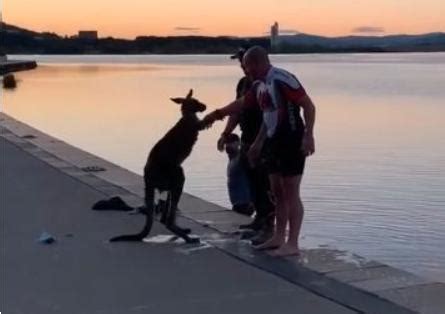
<point>425,42</point>
<point>16,40</point>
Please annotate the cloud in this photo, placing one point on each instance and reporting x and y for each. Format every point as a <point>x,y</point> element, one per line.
<point>288,31</point>
<point>285,31</point>
<point>187,29</point>
<point>368,29</point>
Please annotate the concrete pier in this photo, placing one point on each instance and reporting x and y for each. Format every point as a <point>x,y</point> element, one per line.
<point>9,66</point>
<point>44,188</point>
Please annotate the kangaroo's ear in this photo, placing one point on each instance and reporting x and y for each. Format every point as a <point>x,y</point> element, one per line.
<point>189,95</point>
<point>178,100</point>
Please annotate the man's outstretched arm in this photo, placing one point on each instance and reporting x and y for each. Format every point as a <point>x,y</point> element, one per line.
<point>219,114</point>
<point>230,126</point>
<point>232,123</point>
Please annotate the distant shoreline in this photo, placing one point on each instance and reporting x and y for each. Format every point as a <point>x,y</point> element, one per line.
<point>16,40</point>
<point>219,54</point>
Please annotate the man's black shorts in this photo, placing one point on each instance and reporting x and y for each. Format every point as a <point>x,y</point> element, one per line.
<point>284,155</point>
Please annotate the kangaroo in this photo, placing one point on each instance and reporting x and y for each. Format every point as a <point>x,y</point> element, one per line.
<point>163,173</point>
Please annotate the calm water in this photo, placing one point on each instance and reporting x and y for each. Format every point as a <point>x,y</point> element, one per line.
<point>376,185</point>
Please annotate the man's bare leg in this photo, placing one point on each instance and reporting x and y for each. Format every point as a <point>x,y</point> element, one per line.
<point>295,215</point>
<point>281,213</point>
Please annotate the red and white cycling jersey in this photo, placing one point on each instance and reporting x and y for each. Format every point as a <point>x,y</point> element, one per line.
<point>278,97</point>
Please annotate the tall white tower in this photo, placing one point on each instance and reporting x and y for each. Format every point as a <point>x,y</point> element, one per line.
<point>274,36</point>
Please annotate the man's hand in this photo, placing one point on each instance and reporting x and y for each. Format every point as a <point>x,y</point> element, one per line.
<point>254,154</point>
<point>221,143</point>
<point>207,121</point>
<point>308,144</point>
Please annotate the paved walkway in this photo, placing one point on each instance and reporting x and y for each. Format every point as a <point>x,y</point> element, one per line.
<point>82,273</point>
<point>43,188</point>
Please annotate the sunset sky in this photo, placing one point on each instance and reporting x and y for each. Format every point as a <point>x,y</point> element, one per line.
<point>129,18</point>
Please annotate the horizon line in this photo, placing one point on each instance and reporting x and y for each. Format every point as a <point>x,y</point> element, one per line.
<point>264,35</point>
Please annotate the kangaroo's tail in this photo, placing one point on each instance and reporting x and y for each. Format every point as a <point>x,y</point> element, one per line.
<point>141,235</point>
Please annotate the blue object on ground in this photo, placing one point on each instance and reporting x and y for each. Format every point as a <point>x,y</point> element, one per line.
<point>46,238</point>
<point>237,182</point>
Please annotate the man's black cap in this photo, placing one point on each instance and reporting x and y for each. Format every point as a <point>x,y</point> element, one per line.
<point>239,54</point>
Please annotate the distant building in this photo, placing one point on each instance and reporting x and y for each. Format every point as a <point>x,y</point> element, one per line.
<point>274,35</point>
<point>90,35</point>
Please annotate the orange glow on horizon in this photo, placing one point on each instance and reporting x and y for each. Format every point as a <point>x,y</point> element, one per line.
<point>248,18</point>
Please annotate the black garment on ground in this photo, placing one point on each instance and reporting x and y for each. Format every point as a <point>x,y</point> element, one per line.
<point>250,123</point>
<point>114,203</point>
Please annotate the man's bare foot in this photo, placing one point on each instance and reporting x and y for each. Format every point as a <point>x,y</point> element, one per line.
<point>270,244</point>
<point>285,250</point>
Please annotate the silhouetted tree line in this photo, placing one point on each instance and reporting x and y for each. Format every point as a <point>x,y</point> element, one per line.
<point>18,41</point>
<point>14,40</point>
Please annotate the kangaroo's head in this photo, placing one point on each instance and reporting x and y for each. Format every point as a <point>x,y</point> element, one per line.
<point>189,105</point>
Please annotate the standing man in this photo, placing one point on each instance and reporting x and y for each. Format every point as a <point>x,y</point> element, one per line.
<point>250,120</point>
<point>287,137</point>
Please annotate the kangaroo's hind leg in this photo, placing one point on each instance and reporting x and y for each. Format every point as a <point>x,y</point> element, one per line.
<point>148,209</point>
<point>177,186</point>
